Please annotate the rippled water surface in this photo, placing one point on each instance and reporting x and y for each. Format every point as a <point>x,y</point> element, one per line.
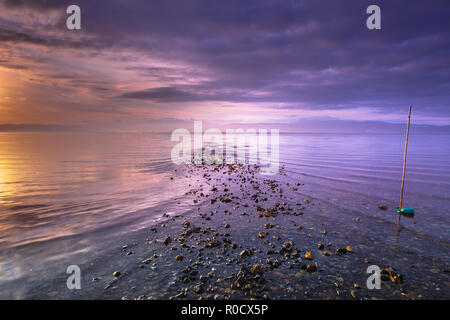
<point>77,192</point>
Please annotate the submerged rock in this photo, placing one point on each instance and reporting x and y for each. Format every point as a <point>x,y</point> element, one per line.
<point>308,256</point>
<point>246,253</point>
<point>390,274</point>
<point>311,268</point>
<point>167,240</point>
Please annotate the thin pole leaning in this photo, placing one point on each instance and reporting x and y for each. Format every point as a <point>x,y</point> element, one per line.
<point>404,164</point>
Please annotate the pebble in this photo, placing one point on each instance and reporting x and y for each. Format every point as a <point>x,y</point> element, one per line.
<point>311,267</point>
<point>167,240</point>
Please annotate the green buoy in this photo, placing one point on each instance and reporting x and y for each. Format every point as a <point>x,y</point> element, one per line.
<point>406,211</point>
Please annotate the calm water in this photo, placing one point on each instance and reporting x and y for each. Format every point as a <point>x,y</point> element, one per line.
<point>78,192</point>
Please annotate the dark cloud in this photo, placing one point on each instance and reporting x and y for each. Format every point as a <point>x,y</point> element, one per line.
<point>164,94</point>
<point>313,54</point>
<point>36,4</point>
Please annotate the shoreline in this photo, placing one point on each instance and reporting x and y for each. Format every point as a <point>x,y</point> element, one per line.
<point>252,237</point>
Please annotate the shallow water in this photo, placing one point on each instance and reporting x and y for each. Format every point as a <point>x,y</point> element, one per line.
<point>360,172</point>
<point>66,193</point>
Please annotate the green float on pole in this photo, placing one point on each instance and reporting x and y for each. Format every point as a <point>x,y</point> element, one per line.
<point>406,211</point>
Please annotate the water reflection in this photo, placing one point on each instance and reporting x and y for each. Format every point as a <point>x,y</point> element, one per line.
<point>61,192</point>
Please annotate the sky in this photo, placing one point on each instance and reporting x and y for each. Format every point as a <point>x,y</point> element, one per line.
<point>144,64</point>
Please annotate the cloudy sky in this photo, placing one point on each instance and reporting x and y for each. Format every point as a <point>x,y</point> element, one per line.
<point>143,62</point>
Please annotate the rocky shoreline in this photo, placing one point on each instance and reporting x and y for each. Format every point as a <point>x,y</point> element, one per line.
<point>254,237</point>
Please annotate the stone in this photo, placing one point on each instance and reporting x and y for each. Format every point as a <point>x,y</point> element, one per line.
<point>167,240</point>
<point>256,268</point>
<point>311,268</point>
<point>308,256</point>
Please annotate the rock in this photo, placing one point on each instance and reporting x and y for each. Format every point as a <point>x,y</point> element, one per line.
<point>340,251</point>
<point>246,253</point>
<point>198,289</point>
<point>349,249</point>
<point>389,273</point>
<point>327,253</point>
<point>383,207</point>
<point>398,278</point>
<point>308,256</point>
<point>311,267</point>
<point>227,225</point>
<point>261,235</point>
<point>190,231</point>
<point>179,258</point>
<point>268,226</point>
<point>212,243</point>
<point>167,240</point>
<point>320,246</point>
<point>116,274</point>
<point>288,245</point>
<point>256,268</point>
<point>434,270</point>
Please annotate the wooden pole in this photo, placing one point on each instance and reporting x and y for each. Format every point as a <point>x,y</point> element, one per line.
<point>404,163</point>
